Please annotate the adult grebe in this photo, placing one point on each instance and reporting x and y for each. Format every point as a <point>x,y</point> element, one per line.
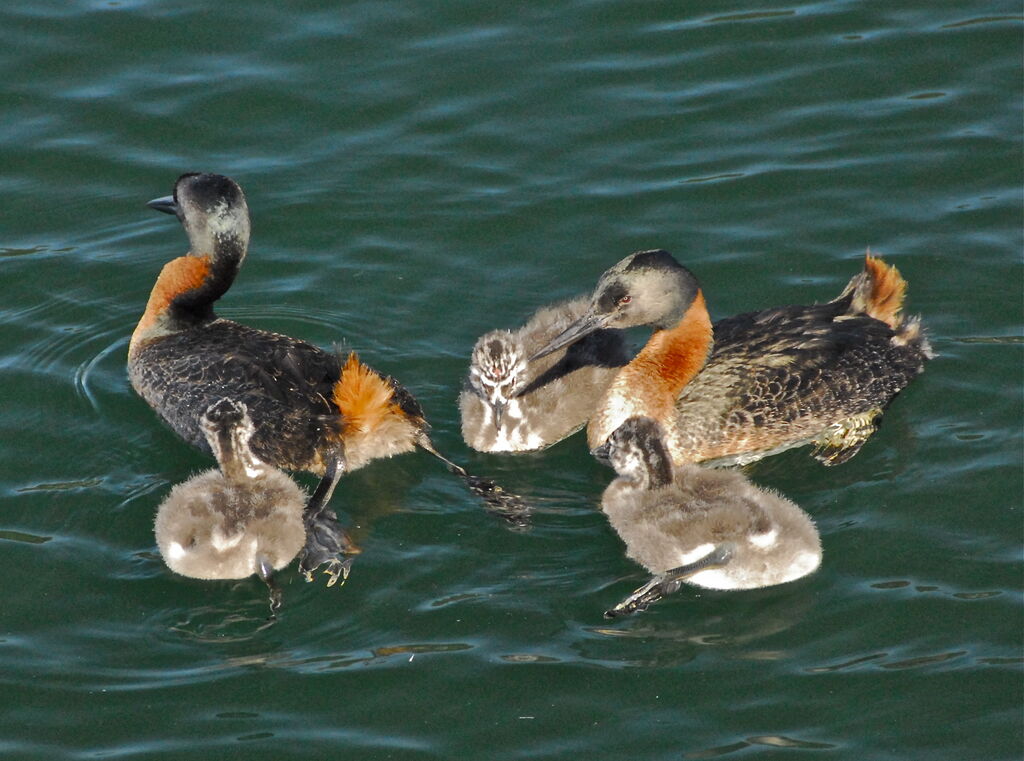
<point>512,405</point>
<point>310,411</point>
<point>710,528</point>
<point>758,383</point>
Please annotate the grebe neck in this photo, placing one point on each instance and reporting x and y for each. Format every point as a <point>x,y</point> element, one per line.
<point>650,384</point>
<point>186,289</point>
<point>675,355</point>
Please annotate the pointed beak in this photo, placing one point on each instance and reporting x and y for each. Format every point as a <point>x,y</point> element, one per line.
<point>165,204</point>
<point>264,569</point>
<point>584,326</point>
<point>603,453</point>
<point>499,411</point>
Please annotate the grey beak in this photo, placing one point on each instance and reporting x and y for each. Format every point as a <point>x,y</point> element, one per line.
<point>584,326</point>
<point>499,411</point>
<point>165,204</point>
<point>264,569</point>
<point>266,572</point>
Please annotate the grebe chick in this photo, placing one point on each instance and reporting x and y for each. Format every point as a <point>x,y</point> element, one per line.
<point>710,528</point>
<point>756,383</point>
<point>310,411</point>
<point>511,405</point>
<point>241,519</point>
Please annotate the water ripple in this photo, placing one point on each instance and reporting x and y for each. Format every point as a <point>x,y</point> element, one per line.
<point>419,173</point>
<point>771,741</point>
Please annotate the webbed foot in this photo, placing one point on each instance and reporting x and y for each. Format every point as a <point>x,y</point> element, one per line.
<point>510,507</point>
<point>336,569</point>
<point>505,505</point>
<point>326,541</point>
<point>670,581</point>
<point>641,598</point>
<point>842,440</point>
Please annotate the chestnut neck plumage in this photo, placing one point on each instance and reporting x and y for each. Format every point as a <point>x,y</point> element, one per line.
<point>186,289</point>
<point>651,383</point>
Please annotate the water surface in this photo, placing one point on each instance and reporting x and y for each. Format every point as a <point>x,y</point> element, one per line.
<point>418,173</point>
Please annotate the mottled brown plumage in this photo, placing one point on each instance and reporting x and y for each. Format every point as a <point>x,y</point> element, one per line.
<point>183,359</point>
<point>765,381</point>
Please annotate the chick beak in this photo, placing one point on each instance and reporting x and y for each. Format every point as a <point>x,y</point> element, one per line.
<point>498,406</point>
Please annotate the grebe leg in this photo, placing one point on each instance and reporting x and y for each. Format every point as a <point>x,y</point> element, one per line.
<point>510,507</point>
<point>669,582</point>
<point>842,440</point>
<point>325,538</point>
<point>423,442</point>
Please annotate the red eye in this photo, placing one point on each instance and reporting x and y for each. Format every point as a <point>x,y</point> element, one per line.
<point>625,300</point>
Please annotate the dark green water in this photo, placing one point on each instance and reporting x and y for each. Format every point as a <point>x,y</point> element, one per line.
<point>418,173</point>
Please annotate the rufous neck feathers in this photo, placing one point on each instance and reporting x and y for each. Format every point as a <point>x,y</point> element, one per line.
<point>178,279</point>
<point>651,383</point>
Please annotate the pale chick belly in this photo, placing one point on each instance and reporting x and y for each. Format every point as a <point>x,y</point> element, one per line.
<point>748,571</point>
<point>515,434</point>
<point>738,577</point>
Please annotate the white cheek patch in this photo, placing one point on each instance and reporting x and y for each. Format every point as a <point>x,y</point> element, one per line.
<point>221,219</point>
<point>629,463</point>
<point>766,540</point>
<point>175,551</point>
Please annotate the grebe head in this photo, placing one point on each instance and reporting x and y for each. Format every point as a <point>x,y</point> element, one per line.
<point>228,429</point>
<point>645,288</point>
<point>212,209</point>
<point>496,370</point>
<point>636,450</point>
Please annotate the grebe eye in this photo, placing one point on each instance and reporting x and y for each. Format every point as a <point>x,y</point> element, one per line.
<point>623,300</point>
